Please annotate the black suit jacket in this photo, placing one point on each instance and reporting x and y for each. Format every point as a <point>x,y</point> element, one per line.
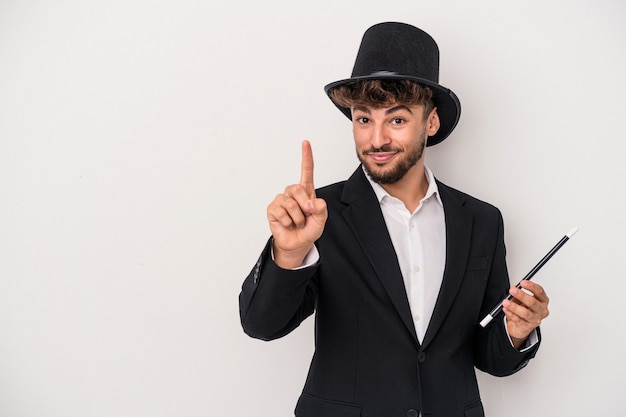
<point>368,361</point>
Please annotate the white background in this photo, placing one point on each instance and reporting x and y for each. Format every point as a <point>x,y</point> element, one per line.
<point>140,142</point>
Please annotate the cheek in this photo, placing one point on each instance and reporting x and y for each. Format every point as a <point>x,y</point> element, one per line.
<point>418,134</point>
<point>361,137</point>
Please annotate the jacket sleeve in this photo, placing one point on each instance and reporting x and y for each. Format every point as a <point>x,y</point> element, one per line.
<point>494,352</point>
<point>274,301</point>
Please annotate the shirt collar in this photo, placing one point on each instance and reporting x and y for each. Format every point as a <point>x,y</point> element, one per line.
<point>432,190</point>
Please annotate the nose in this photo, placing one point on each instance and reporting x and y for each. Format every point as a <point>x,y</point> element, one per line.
<point>379,136</point>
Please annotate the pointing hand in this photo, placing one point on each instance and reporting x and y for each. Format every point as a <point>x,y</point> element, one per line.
<point>297,217</point>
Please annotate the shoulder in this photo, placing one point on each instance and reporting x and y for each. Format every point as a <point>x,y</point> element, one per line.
<point>450,195</point>
<point>331,191</point>
<point>354,188</point>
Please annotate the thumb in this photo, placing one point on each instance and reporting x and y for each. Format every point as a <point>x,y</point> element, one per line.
<point>318,210</point>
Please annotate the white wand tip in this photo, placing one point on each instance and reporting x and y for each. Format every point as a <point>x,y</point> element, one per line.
<point>486,320</point>
<point>572,232</point>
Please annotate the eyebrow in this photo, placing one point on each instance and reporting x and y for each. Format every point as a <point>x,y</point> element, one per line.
<point>397,108</point>
<point>387,112</point>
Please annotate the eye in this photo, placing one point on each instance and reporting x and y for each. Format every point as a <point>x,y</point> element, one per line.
<point>362,120</point>
<point>397,121</point>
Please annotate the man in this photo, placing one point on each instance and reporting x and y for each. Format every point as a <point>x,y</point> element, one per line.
<point>398,267</point>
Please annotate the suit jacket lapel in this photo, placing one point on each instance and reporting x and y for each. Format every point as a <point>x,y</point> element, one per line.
<point>364,216</point>
<point>458,237</point>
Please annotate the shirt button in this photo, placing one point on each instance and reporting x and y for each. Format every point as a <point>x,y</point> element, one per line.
<point>416,268</point>
<point>416,317</point>
<point>411,225</point>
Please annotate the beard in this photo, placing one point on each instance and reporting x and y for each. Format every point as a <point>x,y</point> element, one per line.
<point>408,159</point>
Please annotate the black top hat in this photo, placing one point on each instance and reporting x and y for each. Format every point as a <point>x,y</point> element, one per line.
<point>403,52</point>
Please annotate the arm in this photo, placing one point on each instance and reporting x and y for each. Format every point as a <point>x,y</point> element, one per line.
<point>274,301</point>
<point>497,345</point>
<point>275,298</point>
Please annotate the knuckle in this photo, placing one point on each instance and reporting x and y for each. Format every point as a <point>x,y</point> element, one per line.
<point>292,205</point>
<point>272,210</point>
<point>293,189</point>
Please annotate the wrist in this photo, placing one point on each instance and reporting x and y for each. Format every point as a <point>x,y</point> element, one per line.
<point>517,342</point>
<point>288,259</point>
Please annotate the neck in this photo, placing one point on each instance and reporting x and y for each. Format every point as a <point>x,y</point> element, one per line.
<point>411,188</point>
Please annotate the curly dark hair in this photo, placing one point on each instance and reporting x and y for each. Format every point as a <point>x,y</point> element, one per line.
<point>383,93</point>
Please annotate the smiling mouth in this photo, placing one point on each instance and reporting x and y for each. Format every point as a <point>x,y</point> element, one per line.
<point>381,157</point>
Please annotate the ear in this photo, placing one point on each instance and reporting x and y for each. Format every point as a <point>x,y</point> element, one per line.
<point>432,123</point>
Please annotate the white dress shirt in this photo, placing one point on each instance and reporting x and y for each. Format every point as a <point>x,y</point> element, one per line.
<point>419,239</point>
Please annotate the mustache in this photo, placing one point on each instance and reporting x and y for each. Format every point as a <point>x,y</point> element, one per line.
<point>384,148</point>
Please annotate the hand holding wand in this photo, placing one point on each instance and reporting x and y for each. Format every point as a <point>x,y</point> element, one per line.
<point>498,309</point>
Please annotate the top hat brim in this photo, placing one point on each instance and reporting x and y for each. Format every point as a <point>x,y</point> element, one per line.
<point>447,103</point>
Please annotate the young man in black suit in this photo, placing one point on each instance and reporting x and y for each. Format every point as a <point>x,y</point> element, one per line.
<point>398,267</point>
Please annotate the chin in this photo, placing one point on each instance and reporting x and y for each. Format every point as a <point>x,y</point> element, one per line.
<point>386,176</point>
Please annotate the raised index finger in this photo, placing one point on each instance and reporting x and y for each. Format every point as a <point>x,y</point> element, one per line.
<point>306,178</point>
